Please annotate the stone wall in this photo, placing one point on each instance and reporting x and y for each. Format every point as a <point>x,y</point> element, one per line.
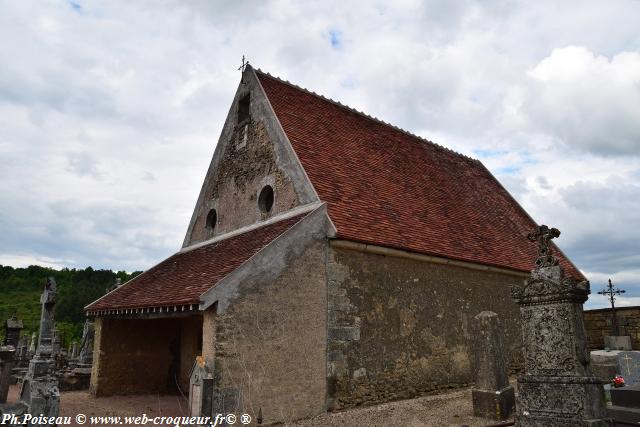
<point>133,356</point>
<point>401,327</point>
<point>598,325</point>
<point>270,343</point>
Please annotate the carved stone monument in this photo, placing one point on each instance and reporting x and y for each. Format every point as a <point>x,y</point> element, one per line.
<point>492,395</point>
<point>39,392</point>
<point>557,387</point>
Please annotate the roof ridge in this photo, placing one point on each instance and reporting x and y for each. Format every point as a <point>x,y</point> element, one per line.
<point>365,115</point>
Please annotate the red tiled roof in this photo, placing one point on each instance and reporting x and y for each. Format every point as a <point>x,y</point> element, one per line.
<point>183,277</point>
<point>386,187</point>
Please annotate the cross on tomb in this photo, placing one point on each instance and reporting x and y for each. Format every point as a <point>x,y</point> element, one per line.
<point>612,292</point>
<point>543,236</point>
<point>626,358</point>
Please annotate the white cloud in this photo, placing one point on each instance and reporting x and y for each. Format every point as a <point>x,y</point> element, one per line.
<point>110,111</point>
<point>587,101</point>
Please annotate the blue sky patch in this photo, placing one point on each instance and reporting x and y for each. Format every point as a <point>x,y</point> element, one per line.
<point>335,37</point>
<point>489,153</point>
<point>508,170</point>
<point>75,6</point>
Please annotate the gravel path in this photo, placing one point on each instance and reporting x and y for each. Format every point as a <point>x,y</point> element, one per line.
<point>450,409</point>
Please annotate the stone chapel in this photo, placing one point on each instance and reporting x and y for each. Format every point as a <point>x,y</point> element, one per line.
<point>332,260</point>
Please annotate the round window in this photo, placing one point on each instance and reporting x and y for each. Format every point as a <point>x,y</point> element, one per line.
<point>212,219</point>
<point>265,200</point>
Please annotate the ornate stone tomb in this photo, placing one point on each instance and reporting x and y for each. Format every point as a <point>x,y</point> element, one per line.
<point>557,387</point>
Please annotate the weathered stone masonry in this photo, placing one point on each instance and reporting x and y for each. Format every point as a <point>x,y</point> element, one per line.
<point>400,327</point>
<point>241,168</point>
<point>270,330</point>
<point>598,325</point>
<point>233,191</point>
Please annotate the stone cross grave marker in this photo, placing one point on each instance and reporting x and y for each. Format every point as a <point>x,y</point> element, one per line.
<point>40,394</point>
<point>557,387</point>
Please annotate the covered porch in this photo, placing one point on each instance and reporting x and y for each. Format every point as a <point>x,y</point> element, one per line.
<point>145,353</point>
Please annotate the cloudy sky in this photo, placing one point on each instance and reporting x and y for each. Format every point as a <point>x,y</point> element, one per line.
<point>110,111</point>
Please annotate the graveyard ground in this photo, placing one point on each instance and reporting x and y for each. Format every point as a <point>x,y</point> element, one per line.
<point>448,409</point>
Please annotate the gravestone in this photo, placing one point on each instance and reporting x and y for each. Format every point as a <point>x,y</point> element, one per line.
<point>12,328</point>
<point>492,395</point>
<point>21,352</point>
<point>625,405</point>
<point>79,376</point>
<point>86,346</point>
<point>39,392</point>
<point>7,354</point>
<point>32,345</point>
<point>74,351</point>
<point>56,345</point>
<point>557,387</point>
<point>21,361</point>
<point>625,363</point>
<point>630,366</point>
<point>200,389</point>
<point>618,342</point>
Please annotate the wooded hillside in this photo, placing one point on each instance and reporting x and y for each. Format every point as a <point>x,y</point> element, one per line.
<point>20,290</point>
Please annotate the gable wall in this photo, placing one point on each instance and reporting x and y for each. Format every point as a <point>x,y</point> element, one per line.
<point>241,167</point>
<point>270,344</point>
<point>398,327</point>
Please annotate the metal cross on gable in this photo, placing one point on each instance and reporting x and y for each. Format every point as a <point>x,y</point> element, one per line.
<point>242,67</point>
<point>543,236</point>
<point>612,292</point>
